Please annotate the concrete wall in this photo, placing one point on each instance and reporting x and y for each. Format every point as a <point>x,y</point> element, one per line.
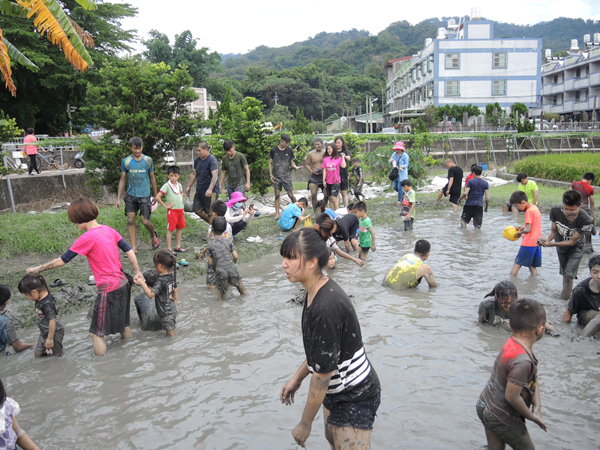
<point>48,186</point>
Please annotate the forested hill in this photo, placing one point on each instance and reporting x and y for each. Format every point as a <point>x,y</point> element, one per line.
<point>360,50</point>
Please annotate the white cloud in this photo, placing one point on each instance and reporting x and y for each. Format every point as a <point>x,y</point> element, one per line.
<point>239,26</point>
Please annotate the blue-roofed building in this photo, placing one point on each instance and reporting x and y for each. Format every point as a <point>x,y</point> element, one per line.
<point>464,64</point>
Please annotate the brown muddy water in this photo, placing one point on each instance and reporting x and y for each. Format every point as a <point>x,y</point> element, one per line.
<point>216,385</point>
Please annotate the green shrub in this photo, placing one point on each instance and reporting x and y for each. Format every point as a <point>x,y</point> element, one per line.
<point>563,167</point>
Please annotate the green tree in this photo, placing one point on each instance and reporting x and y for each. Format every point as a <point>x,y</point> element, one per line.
<point>137,98</point>
<point>243,124</point>
<point>184,52</point>
<point>301,124</point>
<point>43,95</point>
<point>280,114</point>
<point>520,108</point>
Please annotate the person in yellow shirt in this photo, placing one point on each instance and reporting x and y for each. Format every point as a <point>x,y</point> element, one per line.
<point>411,269</point>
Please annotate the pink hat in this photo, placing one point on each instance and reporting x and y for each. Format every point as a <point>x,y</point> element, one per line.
<point>399,146</point>
<point>236,197</point>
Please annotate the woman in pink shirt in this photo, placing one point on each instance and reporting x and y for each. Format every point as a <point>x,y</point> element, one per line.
<point>31,151</point>
<point>101,244</point>
<point>331,174</point>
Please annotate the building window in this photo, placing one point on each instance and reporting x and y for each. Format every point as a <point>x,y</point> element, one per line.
<point>452,61</point>
<point>499,87</point>
<point>557,99</point>
<point>500,60</point>
<point>430,90</point>
<point>452,88</point>
<point>578,72</point>
<point>586,94</point>
<point>430,63</point>
<point>587,71</point>
<point>555,79</point>
<point>577,96</point>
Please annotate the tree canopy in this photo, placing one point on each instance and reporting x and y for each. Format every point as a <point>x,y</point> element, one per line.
<point>184,52</point>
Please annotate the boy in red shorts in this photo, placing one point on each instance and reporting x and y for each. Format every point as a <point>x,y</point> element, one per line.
<point>173,192</point>
<point>530,253</point>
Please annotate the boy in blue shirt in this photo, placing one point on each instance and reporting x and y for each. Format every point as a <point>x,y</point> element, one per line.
<point>476,189</point>
<point>292,215</point>
<point>141,174</point>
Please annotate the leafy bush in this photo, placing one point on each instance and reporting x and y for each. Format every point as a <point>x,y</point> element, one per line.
<point>563,167</point>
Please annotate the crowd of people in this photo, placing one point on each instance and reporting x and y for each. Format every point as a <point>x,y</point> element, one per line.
<point>342,379</point>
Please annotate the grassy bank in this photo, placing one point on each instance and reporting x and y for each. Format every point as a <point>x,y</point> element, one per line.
<point>563,167</point>
<point>27,240</point>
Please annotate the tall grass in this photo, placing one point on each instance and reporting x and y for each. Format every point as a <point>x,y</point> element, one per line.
<point>563,167</point>
<point>51,234</point>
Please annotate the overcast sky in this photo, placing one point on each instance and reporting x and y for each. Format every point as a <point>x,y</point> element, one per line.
<point>238,26</point>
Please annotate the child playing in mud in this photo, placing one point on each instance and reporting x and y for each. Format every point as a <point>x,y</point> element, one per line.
<point>173,192</point>
<point>408,204</point>
<point>8,335</point>
<point>530,253</point>
<point>513,389</point>
<point>585,301</point>
<point>222,257</point>
<point>146,307</point>
<point>366,235</point>
<point>219,209</point>
<point>292,215</point>
<point>50,342</point>
<point>164,291</point>
<point>496,310</point>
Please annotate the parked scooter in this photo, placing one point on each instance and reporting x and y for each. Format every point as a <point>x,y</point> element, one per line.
<point>78,160</point>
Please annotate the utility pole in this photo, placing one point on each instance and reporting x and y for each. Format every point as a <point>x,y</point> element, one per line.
<point>321,113</point>
<point>275,98</point>
<point>70,109</point>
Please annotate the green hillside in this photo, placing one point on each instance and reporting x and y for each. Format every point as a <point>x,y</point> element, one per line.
<point>360,50</point>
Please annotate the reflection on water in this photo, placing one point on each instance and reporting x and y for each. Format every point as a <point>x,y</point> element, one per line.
<point>216,385</point>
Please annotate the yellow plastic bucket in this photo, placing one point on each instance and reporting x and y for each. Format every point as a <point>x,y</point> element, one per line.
<point>510,233</point>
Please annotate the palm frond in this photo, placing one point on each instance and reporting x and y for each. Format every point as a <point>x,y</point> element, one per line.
<point>51,20</point>
<point>88,4</point>
<point>8,8</point>
<point>5,69</point>
<point>83,35</point>
<point>19,57</point>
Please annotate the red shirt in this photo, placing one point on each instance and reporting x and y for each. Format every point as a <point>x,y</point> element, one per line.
<point>30,149</point>
<point>585,190</point>
<point>469,177</point>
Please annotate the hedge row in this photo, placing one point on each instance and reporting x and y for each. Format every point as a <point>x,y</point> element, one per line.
<point>561,167</point>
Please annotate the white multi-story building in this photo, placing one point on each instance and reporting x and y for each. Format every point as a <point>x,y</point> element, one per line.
<point>464,65</point>
<point>201,106</point>
<point>571,85</point>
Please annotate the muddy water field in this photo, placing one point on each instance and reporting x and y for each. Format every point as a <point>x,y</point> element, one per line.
<point>216,385</point>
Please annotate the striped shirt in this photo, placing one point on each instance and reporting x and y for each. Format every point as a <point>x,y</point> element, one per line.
<point>333,344</point>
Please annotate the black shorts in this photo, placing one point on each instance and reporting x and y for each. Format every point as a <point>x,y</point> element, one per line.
<point>356,415</point>
<point>472,212</point>
<point>365,249</point>
<point>569,262</point>
<point>316,179</point>
<point>111,311</point>
<point>333,190</point>
<point>202,202</point>
<point>169,322</point>
<point>453,196</point>
<point>57,350</point>
<point>141,204</point>
<point>283,182</point>
<point>345,184</point>
<point>511,435</point>
<point>358,188</point>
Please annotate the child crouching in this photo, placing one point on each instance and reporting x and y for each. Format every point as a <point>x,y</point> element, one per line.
<point>50,342</point>
<point>513,388</point>
<point>221,258</point>
<point>164,291</point>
